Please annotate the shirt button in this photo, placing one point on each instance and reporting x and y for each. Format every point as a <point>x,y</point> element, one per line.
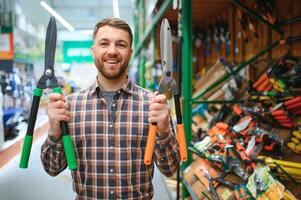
<point>118,92</point>
<point>111,170</point>
<point>111,125</point>
<point>111,147</point>
<point>113,104</point>
<point>111,192</point>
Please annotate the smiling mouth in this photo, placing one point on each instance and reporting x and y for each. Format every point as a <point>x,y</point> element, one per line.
<point>111,61</point>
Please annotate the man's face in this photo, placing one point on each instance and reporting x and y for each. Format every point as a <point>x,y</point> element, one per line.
<point>111,51</point>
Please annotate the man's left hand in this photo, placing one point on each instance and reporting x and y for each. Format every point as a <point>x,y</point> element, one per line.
<point>159,112</point>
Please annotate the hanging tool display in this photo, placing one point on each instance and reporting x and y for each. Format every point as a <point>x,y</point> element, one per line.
<point>48,80</point>
<point>247,24</point>
<point>167,84</point>
<point>264,8</point>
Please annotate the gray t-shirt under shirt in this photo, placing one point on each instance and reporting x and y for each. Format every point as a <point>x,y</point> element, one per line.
<point>108,95</point>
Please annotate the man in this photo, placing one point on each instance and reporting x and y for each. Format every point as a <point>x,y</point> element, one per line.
<point>109,126</point>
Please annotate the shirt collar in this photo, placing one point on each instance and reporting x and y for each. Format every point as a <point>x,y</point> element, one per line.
<point>126,87</point>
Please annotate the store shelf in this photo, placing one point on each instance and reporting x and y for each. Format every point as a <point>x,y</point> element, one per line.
<point>11,148</point>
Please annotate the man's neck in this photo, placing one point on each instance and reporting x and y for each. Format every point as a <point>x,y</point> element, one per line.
<point>111,85</point>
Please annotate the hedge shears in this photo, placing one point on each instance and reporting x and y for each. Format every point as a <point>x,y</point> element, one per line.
<point>167,85</point>
<point>48,80</point>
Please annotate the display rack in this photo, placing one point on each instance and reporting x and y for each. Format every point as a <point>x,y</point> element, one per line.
<point>186,67</point>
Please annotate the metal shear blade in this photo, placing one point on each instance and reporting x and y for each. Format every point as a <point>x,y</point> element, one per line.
<point>48,79</point>
<point>166,57</point>
<point>50,44</point>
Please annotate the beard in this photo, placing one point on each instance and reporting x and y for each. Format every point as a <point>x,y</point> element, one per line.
<point>110,75</point>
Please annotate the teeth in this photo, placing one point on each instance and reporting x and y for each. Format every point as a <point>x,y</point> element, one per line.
<point>112,61</point>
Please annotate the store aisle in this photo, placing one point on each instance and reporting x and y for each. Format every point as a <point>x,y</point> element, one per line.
<point>34,184</point>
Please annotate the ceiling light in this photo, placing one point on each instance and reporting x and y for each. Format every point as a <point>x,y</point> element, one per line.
<point>57,16</point>
<point>116,8</point>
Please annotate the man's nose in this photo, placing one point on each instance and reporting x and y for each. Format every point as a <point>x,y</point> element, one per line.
<point>112,49</point>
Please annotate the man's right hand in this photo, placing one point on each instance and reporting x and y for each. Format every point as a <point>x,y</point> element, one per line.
<point>57,111</point>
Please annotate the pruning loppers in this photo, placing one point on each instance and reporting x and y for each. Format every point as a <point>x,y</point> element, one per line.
<point>48,80</point>
<point>167,84</point>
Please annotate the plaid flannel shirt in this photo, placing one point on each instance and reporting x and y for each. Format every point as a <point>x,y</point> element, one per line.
<point>110,145</point>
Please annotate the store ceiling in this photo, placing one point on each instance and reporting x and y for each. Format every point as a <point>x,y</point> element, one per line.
<point>82,15</point>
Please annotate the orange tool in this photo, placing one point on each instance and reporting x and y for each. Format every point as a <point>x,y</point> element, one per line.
<point>167,84</point>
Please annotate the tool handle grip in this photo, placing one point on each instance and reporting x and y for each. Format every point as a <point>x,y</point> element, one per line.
<point>292,101</point>
<point>260,80</point>
<point>182,142</point>
<point>25,151</point>
<point>278,113</point>
<point>67,142</point>
<point>69,152</point>
<point>222,125</point>
<point>295,106</point>
<point>37,93</point>
<point>150,144</point>
<point>264,85</point>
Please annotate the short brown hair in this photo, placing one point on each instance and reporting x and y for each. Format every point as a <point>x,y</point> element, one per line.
<point>116,23</point>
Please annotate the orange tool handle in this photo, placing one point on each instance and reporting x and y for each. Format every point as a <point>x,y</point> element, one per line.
<point>264,85</point>
<point>292,101</point>
<point>237,109</point>
<point>278,112</point>
<point>182,142</point>
<point>281,117</point>
<point>294,106</point>
<point>284,120</point>
<point>222,125</point>
<point>260,80</point>
<point>287,125</point>
<point>150,144</point>
<point>268,88</point>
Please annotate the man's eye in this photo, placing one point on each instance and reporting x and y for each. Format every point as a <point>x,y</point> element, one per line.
<point>121,45</point>
<point>103,44</point>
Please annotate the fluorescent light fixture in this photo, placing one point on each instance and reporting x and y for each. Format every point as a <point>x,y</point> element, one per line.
<point>116,8</point>
<point>57,16</point>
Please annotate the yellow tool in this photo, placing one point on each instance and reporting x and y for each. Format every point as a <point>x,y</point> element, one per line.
<point>295,140</point>
<point>297,134</point>
<point>294,147</point>
<point>271,162</point>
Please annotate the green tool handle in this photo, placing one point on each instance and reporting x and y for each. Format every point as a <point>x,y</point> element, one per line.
<point>37,93</point>
<point>67,142</point>
<point>25,151</point>
<point>69,152</point>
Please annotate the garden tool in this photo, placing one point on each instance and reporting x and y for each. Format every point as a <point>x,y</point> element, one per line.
<point>167,85</point>
<point>48,80</point>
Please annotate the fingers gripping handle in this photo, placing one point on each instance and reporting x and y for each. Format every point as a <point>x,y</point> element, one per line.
<point>67,142</point>
<point>30,129</point>
<point>150,144</point>
<point>182,142</point>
